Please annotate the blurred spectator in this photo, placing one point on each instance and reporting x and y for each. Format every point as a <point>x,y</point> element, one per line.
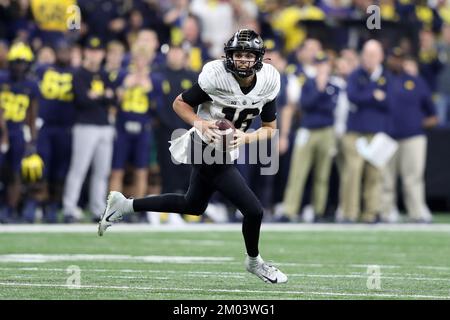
<point>76,56</point>
<point>303,60</point>
<point>177,13</point>
<point>351,58</point>
<point>115,52</point>
<point>429,63</point>
<point>92,134</point>
<point>443,81</point>
<point>192,44</point>
<point>336,8</point>
<point>152,13</point>
<point>134,25</point>
<point>4,17</point>
<point>220,19</point>
<point>287,19</point>
<point>275,57</point>
<point>149,39</point>
<point>20,25</point>
<point>421,13</point>
<point>177,78</point>
<point>105,18</point>
<point>18,98</point>
<point>369,114</point>
<point>52,19</point>
<point>46,55</point>
<point>345,64</point>
<point>267,9</point>
<point>412,110</point>
<point>3,55</point>
<point>444,10</point>
<point>54,144</point>
<point>138,94</point>
<point>315,141</point>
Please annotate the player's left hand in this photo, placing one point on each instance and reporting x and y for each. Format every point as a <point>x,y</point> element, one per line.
<point>239,138</point>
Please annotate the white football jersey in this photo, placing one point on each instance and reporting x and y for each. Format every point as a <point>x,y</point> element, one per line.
<point>228,101</point>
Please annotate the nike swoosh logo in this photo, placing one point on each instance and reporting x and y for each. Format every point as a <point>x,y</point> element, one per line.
<point>253,103</point>
<point>107,218</point>
<point>272,281</point>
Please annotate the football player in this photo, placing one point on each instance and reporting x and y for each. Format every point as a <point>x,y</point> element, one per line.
<point>18,99</point>
<point>54,143</point>
<point>238,89</point>
<point>138,95</point>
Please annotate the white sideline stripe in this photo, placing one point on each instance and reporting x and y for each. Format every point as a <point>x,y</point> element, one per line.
<point>216,274</point>
<point>215,290</point>
<point>290,264</point>
<point>225,227</point>
<point>433,267</point>
<point>41,258</point>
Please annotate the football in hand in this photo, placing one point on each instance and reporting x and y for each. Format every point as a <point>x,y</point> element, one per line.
<point>226,130</point>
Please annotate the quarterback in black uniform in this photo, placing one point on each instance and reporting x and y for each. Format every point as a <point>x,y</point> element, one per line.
<point>237,89</point>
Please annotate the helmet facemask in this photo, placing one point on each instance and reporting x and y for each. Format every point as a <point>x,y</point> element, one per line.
<point>244,41</point>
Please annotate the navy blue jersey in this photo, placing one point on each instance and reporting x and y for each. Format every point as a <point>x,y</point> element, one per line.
<point>367,115</point>
<point>410,101</point>
<point>174,82</point>
<point>138,104</point>
<point>15,99</point>
<point>318,106</point>
<point>56,100</point>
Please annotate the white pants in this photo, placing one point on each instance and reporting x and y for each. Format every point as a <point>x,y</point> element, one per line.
<point>92,144</point>
<point>409,162</point>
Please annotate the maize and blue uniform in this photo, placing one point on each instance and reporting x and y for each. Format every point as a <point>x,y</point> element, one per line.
<point>57,112</point>
<point>133,125</point>
<point>15,99</point>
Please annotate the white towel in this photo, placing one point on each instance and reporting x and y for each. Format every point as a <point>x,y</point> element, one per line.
<point>179,147</point>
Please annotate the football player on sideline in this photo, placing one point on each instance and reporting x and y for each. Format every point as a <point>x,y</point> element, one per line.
<point>237,89</point>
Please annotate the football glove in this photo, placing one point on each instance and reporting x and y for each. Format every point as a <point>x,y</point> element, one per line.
<point>32,168</point>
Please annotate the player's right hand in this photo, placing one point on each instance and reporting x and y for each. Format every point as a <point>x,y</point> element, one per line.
<point>207,129</point>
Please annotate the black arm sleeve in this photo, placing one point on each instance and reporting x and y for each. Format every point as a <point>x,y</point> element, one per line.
<point>195,96</point>
<point>269,111</point>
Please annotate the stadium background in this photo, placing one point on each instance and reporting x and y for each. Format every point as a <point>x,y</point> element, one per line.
<point>205,261</point>
<point>285,25</point>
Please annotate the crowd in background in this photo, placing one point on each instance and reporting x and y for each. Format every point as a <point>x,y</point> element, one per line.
<point>93,98</point>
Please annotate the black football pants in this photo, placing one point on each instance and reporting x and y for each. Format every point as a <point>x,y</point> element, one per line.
<point>204,181</point>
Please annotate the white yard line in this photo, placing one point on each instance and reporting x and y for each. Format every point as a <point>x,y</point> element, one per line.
<point>215,290</point>
<point>207,227</point>
<point>217,274</point>
<point>41,258</point>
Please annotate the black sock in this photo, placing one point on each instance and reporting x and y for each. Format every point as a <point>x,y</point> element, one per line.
<point>250,229</point>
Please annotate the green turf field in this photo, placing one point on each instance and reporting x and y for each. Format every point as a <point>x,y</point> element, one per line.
<point>206,262</point>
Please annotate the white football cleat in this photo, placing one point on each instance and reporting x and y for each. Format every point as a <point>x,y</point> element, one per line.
<point>264,271</point>
<point>114,211</point>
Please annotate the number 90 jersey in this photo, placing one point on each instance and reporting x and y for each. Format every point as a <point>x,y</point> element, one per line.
<point>228,101</point>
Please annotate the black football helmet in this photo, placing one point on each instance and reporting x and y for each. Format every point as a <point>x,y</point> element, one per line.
<point>244,40</point>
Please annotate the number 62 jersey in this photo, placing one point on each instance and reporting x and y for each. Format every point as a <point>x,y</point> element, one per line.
<point>228,100</point>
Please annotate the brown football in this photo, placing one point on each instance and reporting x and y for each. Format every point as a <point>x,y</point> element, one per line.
<point>226,130</point>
